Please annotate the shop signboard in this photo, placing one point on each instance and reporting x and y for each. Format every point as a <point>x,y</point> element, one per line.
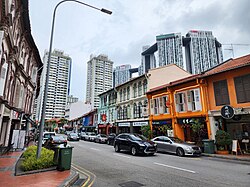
<point>140,123</point>
<point>123,124</point>
<point>162,122</point>
<point>227,112</point>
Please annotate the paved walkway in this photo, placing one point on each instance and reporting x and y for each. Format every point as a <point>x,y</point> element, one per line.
<point>49,178</point>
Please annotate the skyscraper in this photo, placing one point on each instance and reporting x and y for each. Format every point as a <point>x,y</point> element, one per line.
<point>99,78</point>
<point>202,50</point>
<point>121,74</point>
<point>58,85</point>
<point>170,49</point>
<point>148,60</point>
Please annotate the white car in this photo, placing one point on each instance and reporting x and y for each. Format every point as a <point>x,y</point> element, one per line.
<point>47,135</point>
<point>91,136</point>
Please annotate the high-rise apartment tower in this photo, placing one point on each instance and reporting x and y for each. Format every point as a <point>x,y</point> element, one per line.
<point>99,78</point>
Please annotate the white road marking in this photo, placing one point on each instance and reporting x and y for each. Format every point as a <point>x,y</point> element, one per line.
<point>190,171</point>
<point>121,155</point>
<point>95,149</point>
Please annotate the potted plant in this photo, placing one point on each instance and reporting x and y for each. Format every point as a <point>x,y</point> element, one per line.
<point>222,141</point>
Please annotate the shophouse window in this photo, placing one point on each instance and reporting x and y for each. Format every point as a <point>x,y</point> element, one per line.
<point>180,102</point>
<point>140,110</point>
<point>221,93</point>
<point>128,112</point>
<point>105,100</point>
<point>125,114</point>
<point>119,113</point>
<point>128,93</point>
<point>151,102</point>
<point>135,90</point>
<point>156,106</point>
<point>165,101</point>
<point>124,94</point>
<point>135,111</point>
<point>194,101</point>
<point>120,95</point>
<point>139,89</point>
<point>144,87</point>
<point>242,87</point>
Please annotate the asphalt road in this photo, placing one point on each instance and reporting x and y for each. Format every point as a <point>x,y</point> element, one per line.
<point>106,168</point>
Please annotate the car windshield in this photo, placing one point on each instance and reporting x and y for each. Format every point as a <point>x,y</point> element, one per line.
<point>103,135</point>
<point>48,135</point>
<point>136,137</point>
<point>91,133</point>
<point>177,140</point>
<point>73,134</point>
<point>57,138</point>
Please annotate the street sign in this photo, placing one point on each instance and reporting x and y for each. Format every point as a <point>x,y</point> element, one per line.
<point>227,112</point>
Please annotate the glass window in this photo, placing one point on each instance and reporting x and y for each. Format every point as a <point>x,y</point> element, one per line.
<point>242,88</point>
<point>135,90</point>
<point>221,93</point>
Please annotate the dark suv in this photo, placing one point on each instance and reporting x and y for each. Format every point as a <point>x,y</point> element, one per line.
<point>134,143</point>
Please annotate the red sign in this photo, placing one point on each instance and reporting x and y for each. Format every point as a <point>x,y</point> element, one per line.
<point>104,117</point>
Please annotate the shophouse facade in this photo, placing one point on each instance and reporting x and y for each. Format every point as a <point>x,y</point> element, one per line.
<point>20,69</point>
<point>107,112</point>
<point>229,99</point>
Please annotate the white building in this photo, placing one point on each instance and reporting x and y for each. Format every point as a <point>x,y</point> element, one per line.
<point>148,60</point>
<point>203,51</point>
<point>121,74</point>
<point>170,49</point>
<point>99,78</point>
<point>58,85</point>
<point>77,109</point>
<point>71,99</point>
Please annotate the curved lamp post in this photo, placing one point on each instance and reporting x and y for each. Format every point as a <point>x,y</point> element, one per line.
<point>41,127</point>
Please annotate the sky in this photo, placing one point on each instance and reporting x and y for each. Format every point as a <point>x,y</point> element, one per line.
<point>81,31</point>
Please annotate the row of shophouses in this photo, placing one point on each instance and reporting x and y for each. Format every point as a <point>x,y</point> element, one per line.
<point>20,69</point>
<point>169,96</point>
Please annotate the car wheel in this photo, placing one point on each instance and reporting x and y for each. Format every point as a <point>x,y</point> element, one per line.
<point>117,148</point>
<point>151,154</point>
<point>133,151</point>
<point>180,152</point>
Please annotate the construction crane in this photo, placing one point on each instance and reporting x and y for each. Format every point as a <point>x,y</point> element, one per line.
<point>231,48</point>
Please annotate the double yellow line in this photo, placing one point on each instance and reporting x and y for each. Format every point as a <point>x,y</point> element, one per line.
<point>90,176</point>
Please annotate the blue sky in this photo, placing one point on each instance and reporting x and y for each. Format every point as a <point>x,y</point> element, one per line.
<point>81,31</point>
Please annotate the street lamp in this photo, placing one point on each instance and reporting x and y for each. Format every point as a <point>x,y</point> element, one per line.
<point>41,127</point>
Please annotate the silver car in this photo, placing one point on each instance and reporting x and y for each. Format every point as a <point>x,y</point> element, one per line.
<point>175,145</point>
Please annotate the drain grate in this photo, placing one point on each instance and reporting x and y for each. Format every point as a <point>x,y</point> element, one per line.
<point>79,182</point>
<point>131,184</point>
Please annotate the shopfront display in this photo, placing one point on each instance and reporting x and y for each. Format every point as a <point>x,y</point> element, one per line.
<point>162,128</point>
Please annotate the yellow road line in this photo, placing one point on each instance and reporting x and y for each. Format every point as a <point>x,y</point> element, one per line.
<point>87,173</point>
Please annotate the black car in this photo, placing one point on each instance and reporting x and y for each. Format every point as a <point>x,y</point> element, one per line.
<point>111,139</point>
<point>134,143</point>
<point>73,136</point>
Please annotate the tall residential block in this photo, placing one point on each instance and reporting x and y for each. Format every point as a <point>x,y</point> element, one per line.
<point>202,50</point>
<point>148,60</point>
<point>58,85</point>
<point>170,49</point>
<point>121,74</point>
<point>99,78</point>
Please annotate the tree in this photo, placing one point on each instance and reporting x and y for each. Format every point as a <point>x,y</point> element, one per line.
<point>146,131</point>
<point>197,127</point>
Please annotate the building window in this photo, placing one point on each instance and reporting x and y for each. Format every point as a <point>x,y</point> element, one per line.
<point>144,87</point>
<point>124,94</point>
<point>139,111</point>
<point>180,102</point>
<point>135,90</point>
<point>221,93</point>
<point>166,104</point>
<point>125,113</point>
<point>135,110</point>
<point>242,87</point>
<point>120,95</point>
<point>139,89</point>
<point>156,106</point>
<point>128,93</point>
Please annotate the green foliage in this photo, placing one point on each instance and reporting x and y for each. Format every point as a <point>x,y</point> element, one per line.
<point>222,139</point>
<point>31,163</point>
<point>146,131</point>
<point>197,126</point>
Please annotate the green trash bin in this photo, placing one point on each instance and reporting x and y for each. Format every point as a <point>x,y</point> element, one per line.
<point>208,146</point>
<point>64,160</point>
<point>56,154</point>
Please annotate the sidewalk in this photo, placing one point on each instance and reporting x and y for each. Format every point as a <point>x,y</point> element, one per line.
<point>52,178</point>
<point>245,158</point>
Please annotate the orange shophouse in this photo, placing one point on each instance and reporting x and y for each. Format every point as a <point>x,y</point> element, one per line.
<point>178,104</point>
<point>229,86</point>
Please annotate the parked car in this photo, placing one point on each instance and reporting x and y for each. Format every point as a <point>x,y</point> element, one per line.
<point>175,145</point>
<point>91,136</point>
<point>46,136</point>
<point>101,138</point>
<point>134,143</point>
<point>54,141</point>
<point>111,139</point>
<point>73,136</point>
<point>83,135</point>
